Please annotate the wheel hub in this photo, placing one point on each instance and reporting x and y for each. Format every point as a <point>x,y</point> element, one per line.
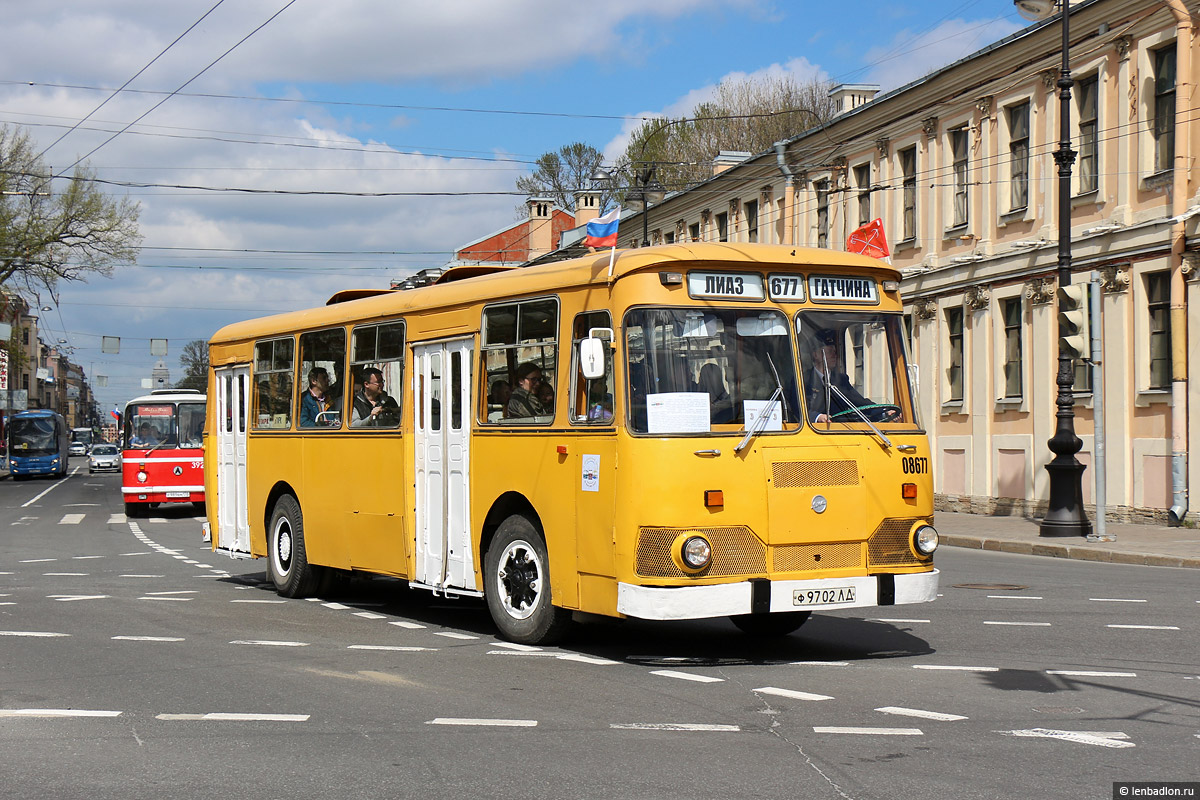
<point>520,580</point>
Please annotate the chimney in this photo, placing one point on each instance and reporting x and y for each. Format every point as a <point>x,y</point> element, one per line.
<point>728,158</point>
<point>541,223</point>
<point>587,206</point>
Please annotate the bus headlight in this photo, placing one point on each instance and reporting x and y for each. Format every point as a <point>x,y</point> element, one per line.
<point>925,540</point>
<point>696,552</point>
<point>141,476</point>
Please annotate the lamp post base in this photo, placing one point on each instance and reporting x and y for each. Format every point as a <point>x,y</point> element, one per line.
<point>1065,515</point>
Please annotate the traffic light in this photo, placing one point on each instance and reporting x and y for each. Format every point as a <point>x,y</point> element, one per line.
<point>1074,335</point>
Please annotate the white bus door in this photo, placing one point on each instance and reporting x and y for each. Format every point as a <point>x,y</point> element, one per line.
<point>233,406</point>
<point>441,402</point>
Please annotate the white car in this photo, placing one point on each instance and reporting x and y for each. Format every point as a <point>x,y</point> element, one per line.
<point>104,458</point>
<point>78,449</point>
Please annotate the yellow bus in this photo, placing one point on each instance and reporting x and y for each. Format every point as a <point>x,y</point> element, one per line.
<point>686,431</point>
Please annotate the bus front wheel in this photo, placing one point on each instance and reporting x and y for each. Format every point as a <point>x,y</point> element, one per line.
<point>289,567</point>
<point>134,510</point>
<point>778,624</point>
<point>516,580</point>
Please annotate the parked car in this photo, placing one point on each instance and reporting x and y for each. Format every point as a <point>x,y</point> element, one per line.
<point>104,458</point>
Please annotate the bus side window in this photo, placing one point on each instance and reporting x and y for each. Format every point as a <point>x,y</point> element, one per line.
<point>273,383</point>
<point>591,400</point>
<point>376,356</point>
<point>516,337</point>
<point>321,381</point>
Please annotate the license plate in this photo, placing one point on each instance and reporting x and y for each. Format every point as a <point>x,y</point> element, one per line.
<point>178,495</point>
<point>823,597</point>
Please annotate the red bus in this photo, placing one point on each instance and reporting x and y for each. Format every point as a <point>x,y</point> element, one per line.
<point>163,450</point>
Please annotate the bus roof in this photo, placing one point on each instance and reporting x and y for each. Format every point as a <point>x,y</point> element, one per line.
<point>169,396</point>
<point>591,269</point>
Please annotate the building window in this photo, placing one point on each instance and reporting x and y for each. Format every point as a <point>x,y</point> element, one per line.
<point>908,171</point>
<point>822,188</point>
<point>1164,108</point>
<point>669,237</point>
<point>1089,179</point>
<point>862,181</point>
<point>751,212</point>
<point>25,336</point>
<point>954,335</point>
<point>958,151</point>
<point>1158,302</point>
<point>722,227</point>
<point>1011,311</point>
<point>694,232</point>
<point>1018,152</point>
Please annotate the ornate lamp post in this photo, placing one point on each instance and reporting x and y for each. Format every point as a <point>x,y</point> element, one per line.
<point>646,192</point>
<point>1065,516</point>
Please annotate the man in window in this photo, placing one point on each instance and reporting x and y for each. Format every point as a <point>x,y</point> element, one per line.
<point>316,401</point>
<point>373,407</point>
<point>524,401</point>
<point>830,395</point>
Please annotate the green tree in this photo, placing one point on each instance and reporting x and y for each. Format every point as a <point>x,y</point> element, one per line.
<point>749,115</point>
<point>47,236</point>
<point>561,173</point>
<point>194,360</point>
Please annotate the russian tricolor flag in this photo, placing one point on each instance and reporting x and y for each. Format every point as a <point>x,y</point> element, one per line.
<point>602,231</point>
<point>116,414</point>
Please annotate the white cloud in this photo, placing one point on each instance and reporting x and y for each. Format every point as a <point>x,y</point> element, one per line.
<point>910,55</point>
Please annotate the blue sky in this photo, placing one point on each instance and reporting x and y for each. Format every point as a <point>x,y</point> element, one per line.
<point>360,78</point>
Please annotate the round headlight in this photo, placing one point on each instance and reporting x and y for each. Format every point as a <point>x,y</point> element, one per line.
<point>925,540</point>
<point>696,552</point>
<point>141,477</point>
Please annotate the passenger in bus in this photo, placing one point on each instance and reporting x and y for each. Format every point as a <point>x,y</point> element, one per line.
<point>524,401</point>
<point>145,437</point>
<point>720,404</point>
<point>827,371</point>
<point>373,407</point>
<point>498,399</point>
<point>316,400</point>
<point>545,395</point>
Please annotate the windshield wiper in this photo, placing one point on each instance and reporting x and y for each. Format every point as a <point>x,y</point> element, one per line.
<point>761,421</point>
<point>886,441</point>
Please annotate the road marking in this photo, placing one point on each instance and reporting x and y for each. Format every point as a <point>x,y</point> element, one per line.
<point>1071,736</point>
<point>55,712</point>
<point>37,560</point>
<point>515,653</point>
<point>820,663</point>
<point>141,576</point>
<point>71,519</point>
<point>116,519</point>
<point>33,634</point>
<point>64,574</point>
<point>962,669</point>
<point>792,693</point>
<point>524,648</point>
<point>269,643</point>
<point>672,726</point>
<point>1147,627</point>
<point>49,489</point>
<point>335,606</point>
<point>149,638</point>
<point>686,676</point>
<point>369,615</point>
<point>1019,624</point>
<point>902,621</point>
<point>181,591</point>
<point>871,731</point>
<point>66,598</point>
<point>84,558</point>
<point>170,599</point>
<point>269,602</point>
<point>1115,600</point>
<point>231,717</point>
<point>1014,597</point>
<point>503,723</point>
<point>1083,673</point>
<point>916,712</point>
<point>395,648</point>
<point>453,635</point>
<point>582,659</point>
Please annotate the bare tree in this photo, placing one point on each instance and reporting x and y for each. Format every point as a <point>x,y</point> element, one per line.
<point>194,360</point>
<point>561,173</point>
<point>47,237</point>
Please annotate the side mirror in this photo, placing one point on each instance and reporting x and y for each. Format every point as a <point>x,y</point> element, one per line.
<point>591,358</point>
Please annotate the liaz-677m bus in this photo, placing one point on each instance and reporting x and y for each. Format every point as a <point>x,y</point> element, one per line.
<point>691,431</point>
<point>162,460</point>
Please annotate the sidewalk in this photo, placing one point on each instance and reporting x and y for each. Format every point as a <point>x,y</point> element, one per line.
<point>1152,545</point>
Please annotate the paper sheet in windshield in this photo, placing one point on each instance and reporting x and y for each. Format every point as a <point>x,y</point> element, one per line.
<point>755,408</point>
<point>677,412</point>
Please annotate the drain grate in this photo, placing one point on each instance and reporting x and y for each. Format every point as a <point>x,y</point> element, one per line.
<point>1007,587</point>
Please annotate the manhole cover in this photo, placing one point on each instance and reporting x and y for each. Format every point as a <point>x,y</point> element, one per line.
<point>1007,587</point>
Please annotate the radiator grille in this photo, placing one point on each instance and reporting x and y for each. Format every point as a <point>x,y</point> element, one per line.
<point>888,545</point>
<point>807,557</point>
<point>792,474</point>
<point>736,551</point>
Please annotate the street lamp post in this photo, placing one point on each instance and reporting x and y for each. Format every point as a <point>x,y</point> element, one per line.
<point>1064,516</point>
<point>646,192</point>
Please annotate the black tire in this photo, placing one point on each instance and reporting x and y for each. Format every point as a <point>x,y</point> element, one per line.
<point>516,582</point>
<point>134,510</point>
<point>778,624</point>
<point>289,567</point>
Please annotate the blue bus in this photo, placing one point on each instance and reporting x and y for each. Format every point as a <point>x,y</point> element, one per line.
<point>38,442</point>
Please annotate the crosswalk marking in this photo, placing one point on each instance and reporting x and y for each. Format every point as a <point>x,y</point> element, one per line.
<point>56,712</point>
<point>916,712</point>
<point>71,519</point>
<point>1114,739</point>
<point>686,676</point>
<point>672,726</point>
<point>869,731</point>
<point>792,693</point>
<point>232,717</point>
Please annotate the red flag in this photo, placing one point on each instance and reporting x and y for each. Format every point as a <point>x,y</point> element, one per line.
<point>869,240</point>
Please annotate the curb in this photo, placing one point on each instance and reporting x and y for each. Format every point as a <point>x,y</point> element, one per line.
<point>1079,552</point>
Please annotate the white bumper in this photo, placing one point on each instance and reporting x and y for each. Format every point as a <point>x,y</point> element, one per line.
<point>727,599</point>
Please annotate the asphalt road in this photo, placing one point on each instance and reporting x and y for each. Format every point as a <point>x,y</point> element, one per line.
<point>136,663</point>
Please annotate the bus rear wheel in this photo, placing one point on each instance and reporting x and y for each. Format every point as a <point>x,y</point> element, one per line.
<point>290,571</point>
<point>779,624</point>
<point>516,580</point>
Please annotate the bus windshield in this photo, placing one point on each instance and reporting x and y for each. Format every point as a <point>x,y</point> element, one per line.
<point>854,370</point>
<point>704,370</point>
<point>165,424</point>
<point>34,437</point>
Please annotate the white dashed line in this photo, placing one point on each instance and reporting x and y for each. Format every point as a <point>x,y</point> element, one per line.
<point>412,626</point>
<point>252,600</point>
<point>66,598</point>
<point>1014,597</point>
<point>453,635</point>
<point>55,712</point>
<point>232,717</point>
<point>502,723</point>
<point>792,693</point>
<point>960,669</point>
<point>582,659</point>
<point>820,663</point>
<point>1146,627</point>
<point>71,519</point>
<point>686,676</point>
<point>1018,624</point>
<point>1083,673</point>
<point>181,591</point>
<point>269,643</point>
<point>673,726</point>
<point>523,648</point>
<point>84,558</point>
<point>1072,736</point>
<point>394,648</point>
<point>149,638</point>
<point>170,599</point>
<point>870,731</point>
<point>37,560</point>
<point>916,712</point>
<point>901,621</point>
<point>33,634</point>
<point>1115,600</point>
<point>369,615</point>
<point>141,576</point>
<point>64,574</point>
<point>336,606</point>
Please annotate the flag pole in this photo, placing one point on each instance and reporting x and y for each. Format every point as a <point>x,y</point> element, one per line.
<point>612,255</point>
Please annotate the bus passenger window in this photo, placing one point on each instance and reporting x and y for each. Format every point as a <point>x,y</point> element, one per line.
<point>377,376</point>
<point>273,384</point>
<point>591,401</point>
<point>520,362</point>
<point>322,378</point>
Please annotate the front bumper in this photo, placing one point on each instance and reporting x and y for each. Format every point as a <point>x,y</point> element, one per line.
<point>747,597</point>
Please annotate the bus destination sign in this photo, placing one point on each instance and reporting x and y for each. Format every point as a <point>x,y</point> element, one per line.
<point>728,285</point>
<point>829,289</point>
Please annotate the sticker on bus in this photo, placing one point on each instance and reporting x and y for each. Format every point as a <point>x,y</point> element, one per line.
<point>727,285</point>
<point>830,289</point>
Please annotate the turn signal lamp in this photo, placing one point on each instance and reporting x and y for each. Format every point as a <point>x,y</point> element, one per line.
<point>908,491</point>
<point>714,498</point>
